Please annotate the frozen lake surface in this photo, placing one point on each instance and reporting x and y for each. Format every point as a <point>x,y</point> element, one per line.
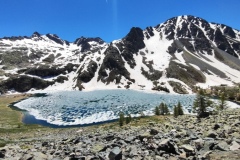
<point>69,108</point>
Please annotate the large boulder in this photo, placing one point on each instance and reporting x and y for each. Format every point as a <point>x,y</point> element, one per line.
<point>2,153</point>
<point>168,146</point>
<point>115,154</point>
<point>234,146</point>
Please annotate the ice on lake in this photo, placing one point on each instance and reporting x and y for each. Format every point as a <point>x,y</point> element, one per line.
<point>76,108</point>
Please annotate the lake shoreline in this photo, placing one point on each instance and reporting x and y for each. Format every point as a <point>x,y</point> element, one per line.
<point>6,110</point>
<point>72,108</point>
<point>29,119</point>
<point>26,118</point>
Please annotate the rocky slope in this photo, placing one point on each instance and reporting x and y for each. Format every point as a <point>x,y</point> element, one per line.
<point>185,137</point>
<point>174,56</point>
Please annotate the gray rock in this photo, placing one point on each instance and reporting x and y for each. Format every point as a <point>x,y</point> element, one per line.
<point>159,158</point>
<point>216,126</point>
<point>27,157</point>
<point>236,134</point>
<point>187,148</point>
<point>185,141</point>
<point>168,146</point>
<point>237,140</point>
<point>237,124</point>
<point>77,158</point>
<point>145,135</point>
<point>44,144</point>
<point>212,134</point>
<point>199,143</point>
<point>115,154</point>
<point>76,140</point>
<point>191,135</point>
<point>183,155</point>
<point>206,154</point>
<point>133,151</point>
<point>2,153</point>
<point>39,155</point>
<point>130,139</point>
<point>99,147</point>
<point>109,137</point>
<point>222,146</point>
<point>209,144</point>
<point>234,146</point>
<point>154,131</point>
<point>87,141</point>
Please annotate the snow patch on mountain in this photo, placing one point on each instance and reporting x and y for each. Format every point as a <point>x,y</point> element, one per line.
<point>174,56</point>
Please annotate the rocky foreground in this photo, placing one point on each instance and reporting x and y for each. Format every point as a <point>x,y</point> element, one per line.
<point>185,137</point>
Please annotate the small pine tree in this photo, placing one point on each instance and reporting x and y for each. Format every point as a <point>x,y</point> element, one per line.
<point>161,108</point>
<point>157,111</point>
<point>179,108</point>
<point>166,110</point>
<point>175,111</point>
<point>222,102</point>
<point>121,118</point>
<point>200,104</point>
<point>128,119</point>
<point>232,95</point>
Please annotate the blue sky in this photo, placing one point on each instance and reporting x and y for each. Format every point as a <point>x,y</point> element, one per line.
<point>108,19</point>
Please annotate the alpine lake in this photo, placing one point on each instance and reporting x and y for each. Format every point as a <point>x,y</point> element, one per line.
<point>74,108</point>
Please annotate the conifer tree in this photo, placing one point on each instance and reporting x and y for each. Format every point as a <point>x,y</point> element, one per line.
<point>121,118</point>
<point>157,111</point>
<point>175,111</point>
<point>200,104</point>
<point>128,119</point>
<point>166,110</point>
<point>222,101</point>
<point>179,108</point>
<point>161,108</point>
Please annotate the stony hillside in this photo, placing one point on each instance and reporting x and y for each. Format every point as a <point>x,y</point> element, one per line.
<point>167,138</point>
<point>174,56</point>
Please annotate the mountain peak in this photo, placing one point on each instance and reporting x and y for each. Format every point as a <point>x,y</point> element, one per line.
<point>56,39</point>
<point>83,40</point>
<point>36,34</point>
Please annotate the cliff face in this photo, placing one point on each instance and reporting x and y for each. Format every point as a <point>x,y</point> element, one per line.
<point>174,56</point>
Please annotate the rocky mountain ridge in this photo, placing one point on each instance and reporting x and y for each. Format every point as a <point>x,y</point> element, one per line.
<point>174,56</point>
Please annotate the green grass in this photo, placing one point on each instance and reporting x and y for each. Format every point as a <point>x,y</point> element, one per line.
<point>11,125</point>
<point>2,143</point>
<point>136,122</point>
<point>9,118</point>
